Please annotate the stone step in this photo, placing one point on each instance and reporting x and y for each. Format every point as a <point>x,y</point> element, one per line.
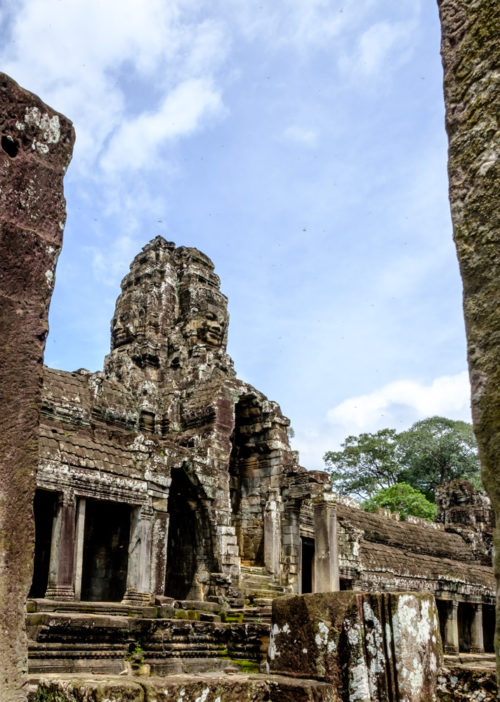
<point>257,579</point>
<point>262,594</point>
<point>255,570</point>
<point>261,585</point>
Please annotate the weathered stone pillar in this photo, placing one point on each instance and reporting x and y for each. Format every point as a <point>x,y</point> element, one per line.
<point>159,546</point>
<point>470,49</point>
<point>79,543</point>
<point>139,556</point>
<point>326,569</point>
<point>36,144</point>
<point>62,550</point>
<point>272,533</point>
<point>450,643</point>
<point>477,637</point>
<point>292,546</point>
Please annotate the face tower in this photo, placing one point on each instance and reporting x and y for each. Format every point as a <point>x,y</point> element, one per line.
<point>170,322</point>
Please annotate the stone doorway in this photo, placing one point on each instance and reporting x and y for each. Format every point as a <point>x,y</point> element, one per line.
<point>489,628</point>
<point>345,583</point>
<point>465,619</point>
<point>307,565</point>
<point>442,608</point>
<point>190,549</point>
<point>248,465</point>
<point>44,508</point>
<point>105,551</point>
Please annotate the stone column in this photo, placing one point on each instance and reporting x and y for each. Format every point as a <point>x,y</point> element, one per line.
<point>62,550</point>
<point>272,533</point>
<point>477,638</point>
<point>291,544</point>
<point>79,542</point>
<point>159,546</point>
<point>35,149</point>
<point>451,628</point>
<point>139,556</point>
<point>470,50</point>
<point>326,569</point>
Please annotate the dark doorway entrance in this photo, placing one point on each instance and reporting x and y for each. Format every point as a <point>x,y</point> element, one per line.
<point>189,549</point>
<point>489,628</point>
<point>105,551</point>
<point>443,609</point>
<point>249,469</point>
<point>466,613</point>
<point>345,583</point>
<point>307,569</point>
<point>44,507</point>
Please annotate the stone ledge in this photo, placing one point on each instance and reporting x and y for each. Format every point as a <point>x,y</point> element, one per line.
<point>212,687</point>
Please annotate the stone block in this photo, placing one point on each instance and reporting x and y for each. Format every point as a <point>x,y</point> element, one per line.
<point>378,646</point>
<point>188,688</point>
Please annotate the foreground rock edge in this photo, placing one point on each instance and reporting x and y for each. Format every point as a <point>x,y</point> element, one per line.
<point>455,683</point>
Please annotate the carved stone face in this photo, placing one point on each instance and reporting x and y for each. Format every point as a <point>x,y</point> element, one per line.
<point>212,330</point>
<point>122,331</point>
<point>207,324</point>
<point>171,297</point>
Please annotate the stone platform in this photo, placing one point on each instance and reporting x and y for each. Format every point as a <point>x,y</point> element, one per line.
<point>321,645</point>
<point>95,638</point>
<point>211,687</point>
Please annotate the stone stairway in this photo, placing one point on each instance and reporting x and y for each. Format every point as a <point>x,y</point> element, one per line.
<point>259,586</point>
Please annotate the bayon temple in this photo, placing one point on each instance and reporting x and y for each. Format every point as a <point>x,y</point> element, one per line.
<point>153,516</point>
<point>167,485</point>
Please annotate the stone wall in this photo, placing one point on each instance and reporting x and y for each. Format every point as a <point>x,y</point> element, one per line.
<point>470,50</point>
<point>368,646</point>
<point>36,147</point>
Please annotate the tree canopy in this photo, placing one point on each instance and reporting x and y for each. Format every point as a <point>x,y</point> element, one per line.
<point>402,498</point>
<point>437,450</point>
<point>433,451</point>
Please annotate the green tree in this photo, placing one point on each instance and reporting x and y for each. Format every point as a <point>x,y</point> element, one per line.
<point>367,463</point>
<point>437,450</point>
<point>433,451</point>
<point>402,498</point>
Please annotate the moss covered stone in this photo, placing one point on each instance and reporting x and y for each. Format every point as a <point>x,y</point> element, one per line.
<point>470,50</point>
<point>376,646</point>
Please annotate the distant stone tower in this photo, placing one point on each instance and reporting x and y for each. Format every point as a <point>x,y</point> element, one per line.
<point>170,323</point>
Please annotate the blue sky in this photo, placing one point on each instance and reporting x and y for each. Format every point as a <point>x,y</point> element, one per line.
<point>301,145</point>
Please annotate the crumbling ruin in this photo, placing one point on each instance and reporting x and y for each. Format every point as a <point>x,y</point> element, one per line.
<point>170,510</point>
<point>36,147</point>
<point>470,49</point>
<point>167,485</point>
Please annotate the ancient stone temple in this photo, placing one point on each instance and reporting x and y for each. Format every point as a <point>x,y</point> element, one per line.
<point>166,484</point>
<point>155,474</point>
<point>170,510</point>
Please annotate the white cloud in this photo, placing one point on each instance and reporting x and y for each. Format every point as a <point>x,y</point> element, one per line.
<point>135,144</point>
<point>397,405</point>
<point>447,395</point>
<point>381,47</point>
<point>299,23</point>
<point>301,135</point>
<point>97,61</point>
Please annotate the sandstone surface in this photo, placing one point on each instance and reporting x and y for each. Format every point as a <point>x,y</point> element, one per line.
<point>470,49</point>
<point>370,646</point>
<point>207,688</point>
<point>36,147</point>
